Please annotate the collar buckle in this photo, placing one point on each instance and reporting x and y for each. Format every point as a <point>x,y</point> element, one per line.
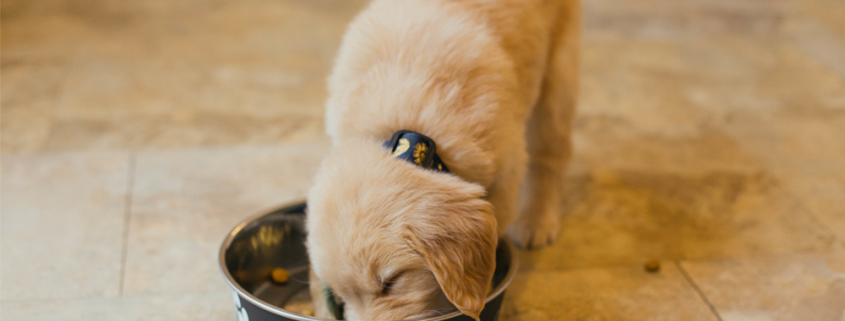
<point>415,148</point>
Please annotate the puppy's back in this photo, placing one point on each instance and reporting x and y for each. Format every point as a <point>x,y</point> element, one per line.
<point>459,71</point>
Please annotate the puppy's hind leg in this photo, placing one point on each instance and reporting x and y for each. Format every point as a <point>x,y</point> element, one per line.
<point>548,136</point>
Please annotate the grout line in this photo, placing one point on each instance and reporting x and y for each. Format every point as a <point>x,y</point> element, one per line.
<point>698,290</point>
<point>227,292</point>
<point>127,215</point>
<point>814,217</point>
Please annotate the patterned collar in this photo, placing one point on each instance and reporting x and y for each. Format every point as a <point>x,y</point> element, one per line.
<point>415,148</point>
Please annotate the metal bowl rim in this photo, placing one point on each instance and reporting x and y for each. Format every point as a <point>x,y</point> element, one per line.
<point>497,291</point>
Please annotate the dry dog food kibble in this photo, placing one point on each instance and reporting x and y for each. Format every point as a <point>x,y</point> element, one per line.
<point>280,275</point>
<point>652,266</point>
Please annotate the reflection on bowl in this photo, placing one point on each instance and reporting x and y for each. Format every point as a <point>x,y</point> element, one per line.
<point>276,239</point>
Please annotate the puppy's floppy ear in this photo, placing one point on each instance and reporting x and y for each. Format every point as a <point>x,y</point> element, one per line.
<point>458,242</point>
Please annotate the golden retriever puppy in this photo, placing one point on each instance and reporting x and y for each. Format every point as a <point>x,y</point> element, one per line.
<point>492,83</point>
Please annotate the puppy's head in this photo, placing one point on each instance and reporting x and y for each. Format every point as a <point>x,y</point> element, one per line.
<point>394,241</point>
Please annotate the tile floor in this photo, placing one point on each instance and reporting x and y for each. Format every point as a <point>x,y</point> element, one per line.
<point>135,134</point>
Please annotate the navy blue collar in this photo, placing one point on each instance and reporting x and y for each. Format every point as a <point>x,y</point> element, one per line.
<point>415,148</point>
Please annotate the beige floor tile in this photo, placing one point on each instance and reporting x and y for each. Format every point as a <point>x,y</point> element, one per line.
<point>198,31</point>
<point>822,189</point>
<point>618,294</point>
<point>825,197</point>
<point>680,19</point>
<point>28,97</point>
<point>211,307</point>
<point>798,138</point>
<point>62,224</point>
<point>182,129</point>
<point>805,150</point>
<point>804,287</point>
<point>24,130</point>
<point>681,150</point>
<point>185,202</point>
<point>831,14</point>
<point>293,81</point>
<point>820,42</point>
<point>177,75</point>
<point>615,217</point>
<point>680,88</point>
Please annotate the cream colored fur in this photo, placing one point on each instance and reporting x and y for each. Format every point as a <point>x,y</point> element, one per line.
<point>493,83</point>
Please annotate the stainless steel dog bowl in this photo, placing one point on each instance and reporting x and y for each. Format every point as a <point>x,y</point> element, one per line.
<point>277,240</point>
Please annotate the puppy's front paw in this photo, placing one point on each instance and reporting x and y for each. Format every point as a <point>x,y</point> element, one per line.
<point>533,233</point>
